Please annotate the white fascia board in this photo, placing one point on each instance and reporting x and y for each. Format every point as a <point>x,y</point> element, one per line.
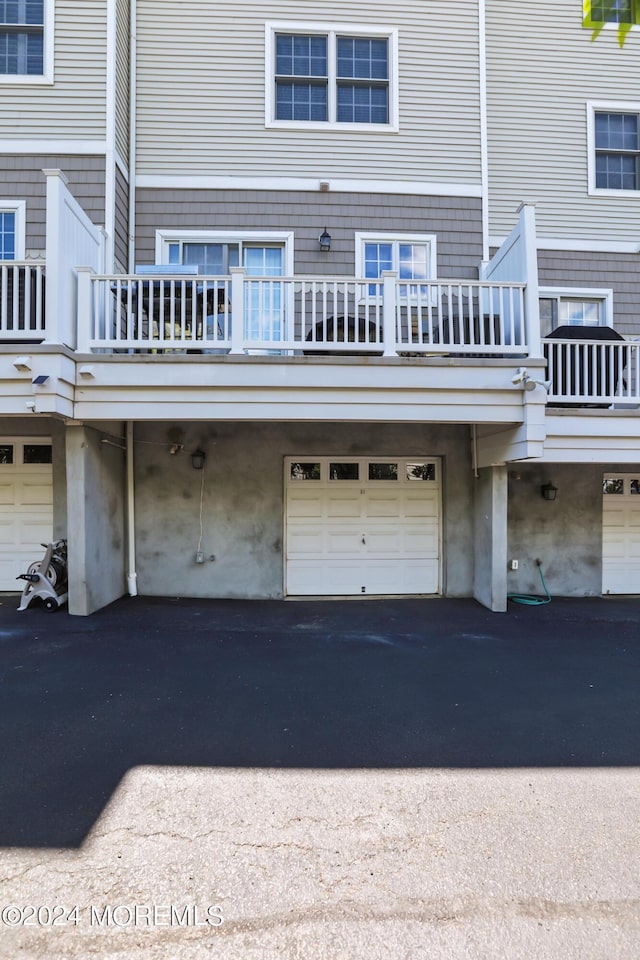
<point>54,147</point>
<point>578,245</point>
<point>336,185</point>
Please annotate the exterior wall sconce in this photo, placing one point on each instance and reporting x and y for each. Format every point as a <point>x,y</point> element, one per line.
<point>325,241</point>
<point>548,491</point>
<point>198,458</point>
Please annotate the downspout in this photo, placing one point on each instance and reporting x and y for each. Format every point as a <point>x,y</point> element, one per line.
<point>132,576</point>
<point>484,146</point>
<point>133,70</point>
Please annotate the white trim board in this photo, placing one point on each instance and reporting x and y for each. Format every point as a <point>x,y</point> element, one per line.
<point>579,245</point>
<point>54,147</point>
<point>405,187</point>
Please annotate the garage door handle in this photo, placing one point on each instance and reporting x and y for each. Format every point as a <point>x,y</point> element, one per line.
<point>364,539</point>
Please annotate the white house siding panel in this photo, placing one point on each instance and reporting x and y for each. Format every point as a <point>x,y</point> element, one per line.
<point>201,86</point>
<point>122,78</point>
<point>543,68</point>
<point>73,107</point>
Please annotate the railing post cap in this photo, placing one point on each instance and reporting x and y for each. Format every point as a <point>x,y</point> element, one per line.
<point>85,270</point>
<point>237,270</point>
<point>56,172</point>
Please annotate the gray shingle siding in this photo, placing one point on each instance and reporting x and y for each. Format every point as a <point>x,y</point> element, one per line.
<point>21,177</point>
<point>455,221</point>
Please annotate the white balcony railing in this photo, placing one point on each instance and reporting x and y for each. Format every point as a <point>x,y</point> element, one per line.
<point>22,301</point>
<point>299,315</point>
<point>584,372</point>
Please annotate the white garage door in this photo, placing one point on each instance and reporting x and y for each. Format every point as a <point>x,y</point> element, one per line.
<point>362,526</point>
<point>621,533</point>
<point>26,506</point>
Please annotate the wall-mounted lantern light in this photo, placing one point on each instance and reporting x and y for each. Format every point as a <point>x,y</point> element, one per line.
<point>324,241</point>
<point>548,491</point>
<point>197,459</point>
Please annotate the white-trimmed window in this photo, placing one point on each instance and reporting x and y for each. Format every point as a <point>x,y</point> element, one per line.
<point>323,75</point>
<point>610,11</point>
<point>411,256</point>
<point>263,253</point>
<point>26,41</point>
<point>12,229</point>
<point>584,307</point>
<point>614,148</point>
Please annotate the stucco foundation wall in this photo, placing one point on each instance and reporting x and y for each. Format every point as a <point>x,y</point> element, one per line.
<point>243,501</point>
<point>95,503</point>
<point>565,534</point>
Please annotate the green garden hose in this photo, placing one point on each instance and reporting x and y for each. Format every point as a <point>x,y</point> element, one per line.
<point>529,600</point>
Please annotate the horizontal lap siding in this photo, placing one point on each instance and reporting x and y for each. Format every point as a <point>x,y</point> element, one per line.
<point>201,93</point>
<point>74,105</point>
<point>456,222</point>
<point>122,79</point>
<point>613,271</point>
<point>543,67</point>
<point>21,177</point>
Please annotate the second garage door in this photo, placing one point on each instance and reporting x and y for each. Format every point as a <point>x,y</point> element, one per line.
<point>362,526</point>
<point>26,506</point>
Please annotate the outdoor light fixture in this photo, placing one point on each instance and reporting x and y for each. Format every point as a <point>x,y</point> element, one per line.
<point>548,491</point>
<point>325,241</point>
<point>197,459</point>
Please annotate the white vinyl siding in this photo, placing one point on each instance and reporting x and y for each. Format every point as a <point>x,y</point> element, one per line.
<point>543,71</point>
<point>198,55</point>
<point>74,105</point>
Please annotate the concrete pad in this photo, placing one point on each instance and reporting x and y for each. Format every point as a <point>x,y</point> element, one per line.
<point>343,864</point>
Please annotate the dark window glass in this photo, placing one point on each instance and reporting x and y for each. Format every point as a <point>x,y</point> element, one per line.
<point>383,471</point>
<point>635,486</point>
<point>421,471</point>
<point>344,471</point>
<point>613,485</point>
<point>305,471</point>
<point>612,11</point>
<point>37,453</point>
<point>6,453</point>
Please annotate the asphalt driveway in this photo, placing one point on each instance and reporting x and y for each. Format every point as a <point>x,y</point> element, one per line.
<point>322,685</point>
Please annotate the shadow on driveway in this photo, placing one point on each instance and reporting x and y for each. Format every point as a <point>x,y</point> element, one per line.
<point>376,683</point>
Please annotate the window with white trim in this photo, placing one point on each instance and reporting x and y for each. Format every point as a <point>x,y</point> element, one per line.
<point>611,11</point>
<point>26,47</point>
<point>617,150</point>
<point>323,76</point>
<point>412,257</point>
<point>573,307</point>
<point>12,229</point>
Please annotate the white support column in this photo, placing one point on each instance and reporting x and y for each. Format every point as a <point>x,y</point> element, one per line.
<point>85,319</point>
<point>237,309</point>
<point>531,296</point>
<point>54,307</point>
<point>389,298</point>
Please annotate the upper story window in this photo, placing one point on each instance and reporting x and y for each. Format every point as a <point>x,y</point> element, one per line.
<point>614,147</point>
<point>612,11</point>
<point>411,257</point>
<point>12,229</point>
<point>26,46</point>
<point>617,151</point>
<point>322,76</point>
